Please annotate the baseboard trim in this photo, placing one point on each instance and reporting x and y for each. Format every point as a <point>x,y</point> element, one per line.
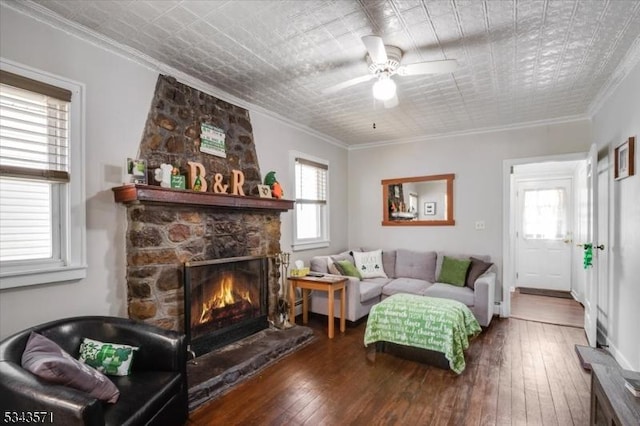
<point>624,363</point>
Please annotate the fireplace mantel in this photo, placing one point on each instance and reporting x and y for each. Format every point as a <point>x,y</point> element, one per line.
<point>137,193</point>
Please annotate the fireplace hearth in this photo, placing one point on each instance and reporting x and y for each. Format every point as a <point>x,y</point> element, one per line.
<point>225,300</point>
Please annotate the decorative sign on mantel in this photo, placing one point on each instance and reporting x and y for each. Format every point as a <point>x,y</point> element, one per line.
<point>197,181</point>
<point>212,140</point>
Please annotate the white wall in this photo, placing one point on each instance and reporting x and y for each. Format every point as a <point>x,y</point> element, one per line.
<point>616,120</point>
<point>476,160</point>
<point>273,144</point>
<point>118,97</point>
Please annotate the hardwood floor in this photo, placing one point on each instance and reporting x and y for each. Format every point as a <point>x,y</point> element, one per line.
<point>553,310</point>
<point>518,373</point>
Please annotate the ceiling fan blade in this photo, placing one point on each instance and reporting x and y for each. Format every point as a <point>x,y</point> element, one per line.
<point>375,47</point>
<point>429,67</point>
<point>391,103</point>
<point>333,89</point>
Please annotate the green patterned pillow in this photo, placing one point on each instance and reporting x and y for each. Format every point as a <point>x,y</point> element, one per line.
<point>454,271</point>
<point>108,358</point>
<point>347,268</point>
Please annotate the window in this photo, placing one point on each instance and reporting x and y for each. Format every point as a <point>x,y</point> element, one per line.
<point>311,222</point>
<point>545,214</point>
<point>42,219</point>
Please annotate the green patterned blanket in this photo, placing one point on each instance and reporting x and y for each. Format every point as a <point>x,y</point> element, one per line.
<point>440,325</point>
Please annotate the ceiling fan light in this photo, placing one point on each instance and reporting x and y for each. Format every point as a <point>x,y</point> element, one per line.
<point>384,89</point>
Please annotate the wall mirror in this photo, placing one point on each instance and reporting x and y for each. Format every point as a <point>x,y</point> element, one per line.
<point>418,201</point>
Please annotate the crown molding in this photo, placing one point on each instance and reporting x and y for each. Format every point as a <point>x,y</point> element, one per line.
<point>470,132</point>
<point>628,63</point>
<point>42,14</point>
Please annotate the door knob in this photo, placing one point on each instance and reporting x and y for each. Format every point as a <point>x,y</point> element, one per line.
<point>600,247</point>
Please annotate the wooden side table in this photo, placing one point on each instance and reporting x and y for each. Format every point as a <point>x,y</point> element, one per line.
<point>326,283</point>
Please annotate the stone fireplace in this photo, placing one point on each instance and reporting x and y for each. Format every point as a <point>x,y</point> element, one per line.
<point>167,228</point>
<point>225,300</point>
<point>170,233</point>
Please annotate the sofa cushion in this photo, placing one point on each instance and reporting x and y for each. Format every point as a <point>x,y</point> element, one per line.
<point>370,289</point>
<point>389,262</point>
<point>405,285</point>
<point>143,395</point>
<point>347,268</point>
<point>331,266</point>
<point>442,254</point>
<point>477,268</point>
<point>454,271</point>
<point>108,358</point>
<point>369,264</point>
<point>461,294</point>
<point>319,264</point>
<point>44,358</point>
<point>414,264</point>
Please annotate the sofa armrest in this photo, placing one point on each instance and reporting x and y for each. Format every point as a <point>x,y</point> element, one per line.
<point>319,264</point>
<point>160,349</point>
<point>22,391</point>
<point>484,297</point>
<point>352,290</point>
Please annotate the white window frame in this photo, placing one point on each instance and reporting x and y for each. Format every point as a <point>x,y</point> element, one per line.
<point>69,217</point>
<point>324,240</point>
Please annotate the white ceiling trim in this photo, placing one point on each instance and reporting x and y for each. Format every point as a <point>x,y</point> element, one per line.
<point>496,129</point>
<point>628,63</point>
<point>34,10</point>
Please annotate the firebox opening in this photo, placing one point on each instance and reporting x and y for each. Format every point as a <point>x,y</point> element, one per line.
<point>225,300</point>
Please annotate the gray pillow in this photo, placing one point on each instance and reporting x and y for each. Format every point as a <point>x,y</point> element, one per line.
<point>47,360</point>
<point>477,268</point>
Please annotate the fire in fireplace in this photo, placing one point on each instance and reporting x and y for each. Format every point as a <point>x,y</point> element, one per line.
<point>225,300</point>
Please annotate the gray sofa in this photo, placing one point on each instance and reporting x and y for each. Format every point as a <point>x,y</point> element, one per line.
<point>407,271</point>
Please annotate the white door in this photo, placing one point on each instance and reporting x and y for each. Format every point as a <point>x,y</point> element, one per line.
<point>591,288</point>
<point>544,226</point>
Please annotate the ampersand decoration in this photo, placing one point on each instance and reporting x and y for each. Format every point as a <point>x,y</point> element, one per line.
<point>218,187</point>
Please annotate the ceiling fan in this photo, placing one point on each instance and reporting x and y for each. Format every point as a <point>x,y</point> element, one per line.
<point>385,62</point>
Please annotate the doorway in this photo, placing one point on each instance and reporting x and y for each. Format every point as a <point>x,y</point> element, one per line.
<point>544,231</point>
<point>542,221</point>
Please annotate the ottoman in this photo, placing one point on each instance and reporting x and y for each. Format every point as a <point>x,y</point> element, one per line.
<point>422,328</point>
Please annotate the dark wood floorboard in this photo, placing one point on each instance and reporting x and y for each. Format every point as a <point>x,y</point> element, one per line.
<point>518,373</point>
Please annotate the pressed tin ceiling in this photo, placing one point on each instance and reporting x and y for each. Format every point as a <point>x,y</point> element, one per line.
<point>519,61</point>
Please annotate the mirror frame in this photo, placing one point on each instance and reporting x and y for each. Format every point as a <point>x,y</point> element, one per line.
<point>449,221</point>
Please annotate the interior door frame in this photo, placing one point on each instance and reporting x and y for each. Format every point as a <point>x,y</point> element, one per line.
<point>508,220</point>
<point>603,307</point>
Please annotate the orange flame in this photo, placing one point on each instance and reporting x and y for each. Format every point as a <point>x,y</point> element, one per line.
<point>223,297</point>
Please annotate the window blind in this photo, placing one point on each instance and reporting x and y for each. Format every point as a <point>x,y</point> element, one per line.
<point>34,129</point>
<point>25,220</point>
<point>311,184</point>
<point>34,159</point>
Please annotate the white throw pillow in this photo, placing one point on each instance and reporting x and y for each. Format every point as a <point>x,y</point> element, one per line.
<point>369,264</point>
<point>331,266</point>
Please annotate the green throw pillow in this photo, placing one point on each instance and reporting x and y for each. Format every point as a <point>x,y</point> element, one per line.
<point>347,268</point>
<point>454,271</point>
<point>108,358</point>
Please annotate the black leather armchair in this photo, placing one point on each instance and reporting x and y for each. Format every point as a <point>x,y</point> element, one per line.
<point>155,393</point>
